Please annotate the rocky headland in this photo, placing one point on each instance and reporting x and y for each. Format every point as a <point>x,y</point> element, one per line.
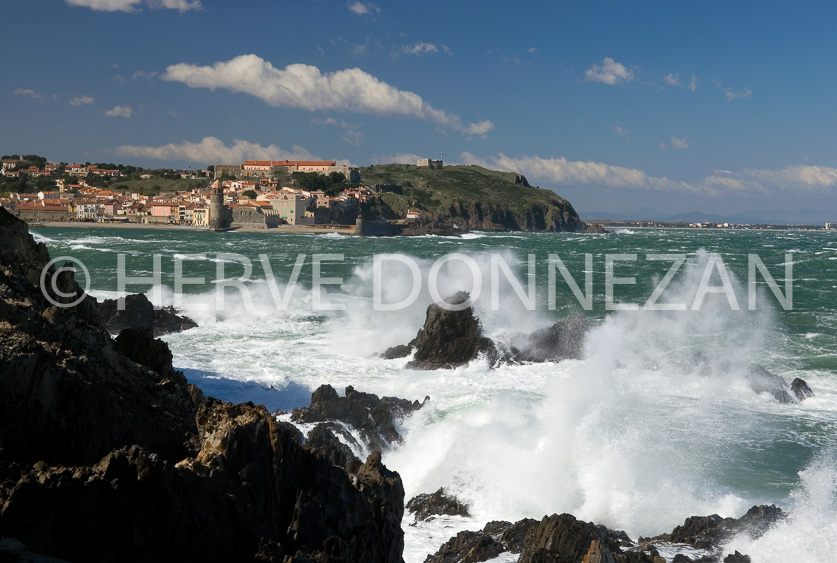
<point>107,453</point>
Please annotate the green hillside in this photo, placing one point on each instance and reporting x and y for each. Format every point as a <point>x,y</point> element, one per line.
<point>472,195</point>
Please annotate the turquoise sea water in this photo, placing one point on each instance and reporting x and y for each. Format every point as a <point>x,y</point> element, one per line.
<point>655,424</point>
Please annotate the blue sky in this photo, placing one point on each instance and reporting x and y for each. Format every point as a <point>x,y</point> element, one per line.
<point>711,106</point>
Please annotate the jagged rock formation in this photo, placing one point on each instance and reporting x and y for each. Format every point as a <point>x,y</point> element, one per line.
<point>105,458</point>
<point>375,419</point>
<point>710,532</point>
<point>427,506</point>
<point>557,538</point>
<point>801,389</point>
<point>492,541</point>
<point>450,338</point>
<point>565,539</point>
<point>138,312</point>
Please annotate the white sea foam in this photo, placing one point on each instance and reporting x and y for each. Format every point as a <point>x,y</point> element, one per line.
<point>809,534</point>
<point>650,428</point>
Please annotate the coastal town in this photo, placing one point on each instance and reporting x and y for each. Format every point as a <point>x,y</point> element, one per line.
<point>252,195</point>
<point>256,194</point>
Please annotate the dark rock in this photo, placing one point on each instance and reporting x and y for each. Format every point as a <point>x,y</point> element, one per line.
<point>762,381</point>
<point>437,227</point>
<point>800,389</point>
<point>710,532</point>
<point>139,345</point>
<point>399,351</point>
<point>467,547</point>
<point>323,441</point>
<point>494,539</point>
<point>138,312</point>
<point>450,338</point>
<point>426,506</point>
<point>592,228</point>
<point>564,539</point>
<point>514,536</point>
<point>737,558</point>
<point>374,418</point>
<point>105,459</point>
<point>561,341</point>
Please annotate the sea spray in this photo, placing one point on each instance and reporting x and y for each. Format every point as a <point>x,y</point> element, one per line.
<point>809,533</point>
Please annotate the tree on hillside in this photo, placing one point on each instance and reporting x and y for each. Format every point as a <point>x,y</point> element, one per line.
<point>250,193</point>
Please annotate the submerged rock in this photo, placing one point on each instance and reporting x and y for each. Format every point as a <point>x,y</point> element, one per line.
<point>762,381</point>
<point>428,505</point>
<point>561,341</point>
<point>138,312</point>
<point>800,389</point>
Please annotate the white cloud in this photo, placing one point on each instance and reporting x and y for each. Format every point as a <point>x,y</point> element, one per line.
<point>693,81</point>
<point>819,180</point>
<point>119,111</point>
<point>398,158</point>
<point>737,94</point>
<point>364,9</point>
<point>143,75</point>
<point>624,133</point>
<point>672,79</point>
<point>679,142</point>
<point>564,172</point>
<point>420,49</point>
<point>212,150</point>
<point>610,72</point>
<point>131,5</point>
<point>304,87</point>
<point>29,93</point>
<point>481,128</point>
<point>81,100</point>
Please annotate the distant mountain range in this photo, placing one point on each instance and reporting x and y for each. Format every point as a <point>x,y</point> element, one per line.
<point>776,217</point>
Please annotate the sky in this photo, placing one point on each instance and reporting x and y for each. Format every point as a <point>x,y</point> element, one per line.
<point>719,107</point>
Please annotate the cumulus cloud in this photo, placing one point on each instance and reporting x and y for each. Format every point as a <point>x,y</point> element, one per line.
<point>131,5</point>
<point>119,111</point>
<point>610,72</point>
<point>807,179</point>
<point>565,172</point>
<point>81,101</point>
<point>364,9</point>
<point>672,79</point>
<point>213,150</point>
<point>480,128</point>
<point>679,142</point>
<point>304,87</point>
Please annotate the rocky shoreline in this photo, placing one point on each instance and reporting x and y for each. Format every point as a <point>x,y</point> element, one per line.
<point>108,453</point>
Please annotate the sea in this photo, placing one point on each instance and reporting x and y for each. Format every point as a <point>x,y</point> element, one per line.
<point>654,424</point>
